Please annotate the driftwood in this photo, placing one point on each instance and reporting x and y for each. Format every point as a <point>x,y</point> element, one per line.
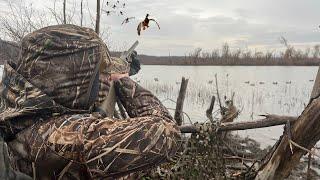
<point>178,115</point>
<point>269,120</point>
<point>304,133</point>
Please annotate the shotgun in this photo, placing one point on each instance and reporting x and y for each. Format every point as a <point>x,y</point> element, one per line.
<point>108,105</point>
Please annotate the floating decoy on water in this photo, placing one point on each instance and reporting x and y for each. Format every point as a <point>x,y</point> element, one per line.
<point>275,83</point>
<point>247,82</point>
<point>252,84</point>
<point>311,80</point>
<point>288,82</point>
<point>156,79</point>
<point>145,24</point>
<point>210,82</point>
<point>126,20</point>
<point>124,5</point>
<point>121,13</point>
<point>261,82</point>
<point>107,3</point>
<point>114,6</point>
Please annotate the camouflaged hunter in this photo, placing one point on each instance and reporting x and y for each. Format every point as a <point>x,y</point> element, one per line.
<point>47,119</point>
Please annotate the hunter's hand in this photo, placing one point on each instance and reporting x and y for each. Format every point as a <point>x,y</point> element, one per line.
<point>115,77</point>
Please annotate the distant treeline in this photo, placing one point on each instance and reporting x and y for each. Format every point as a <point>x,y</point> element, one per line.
<point>227,61</point>
<point>223,57</point>
<point>226,57</point>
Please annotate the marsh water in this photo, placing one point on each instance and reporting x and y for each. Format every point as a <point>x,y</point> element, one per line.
<point>282,90</point>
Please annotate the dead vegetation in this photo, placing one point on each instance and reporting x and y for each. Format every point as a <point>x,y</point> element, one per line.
<point>209,153</point>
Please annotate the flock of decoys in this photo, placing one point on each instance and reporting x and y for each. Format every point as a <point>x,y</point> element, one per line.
<point>274,82</point>
<point>119,7</point>
<point>246,82</point>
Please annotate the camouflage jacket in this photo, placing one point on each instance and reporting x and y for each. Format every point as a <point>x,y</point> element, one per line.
<point>46,115</point>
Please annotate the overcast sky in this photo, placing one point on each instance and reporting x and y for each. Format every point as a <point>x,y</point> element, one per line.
<point>188,24</point>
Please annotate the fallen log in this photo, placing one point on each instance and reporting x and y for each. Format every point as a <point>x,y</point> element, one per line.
<point>304,133</point>
<point>269,120</point>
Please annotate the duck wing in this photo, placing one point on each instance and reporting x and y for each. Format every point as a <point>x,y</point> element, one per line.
<point>155,22</point>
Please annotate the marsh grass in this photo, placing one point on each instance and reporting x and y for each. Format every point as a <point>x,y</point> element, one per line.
<point>252,99</point>
<point>258,99</point>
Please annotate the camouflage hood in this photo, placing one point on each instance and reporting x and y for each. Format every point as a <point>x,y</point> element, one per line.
<point>63,61</point>
<point>19,97</point>
<point>57,71</point>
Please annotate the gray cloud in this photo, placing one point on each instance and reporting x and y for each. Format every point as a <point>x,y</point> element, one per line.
<point>208,24</point>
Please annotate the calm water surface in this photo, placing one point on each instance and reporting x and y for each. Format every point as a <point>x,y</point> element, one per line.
<point>258,90</point>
